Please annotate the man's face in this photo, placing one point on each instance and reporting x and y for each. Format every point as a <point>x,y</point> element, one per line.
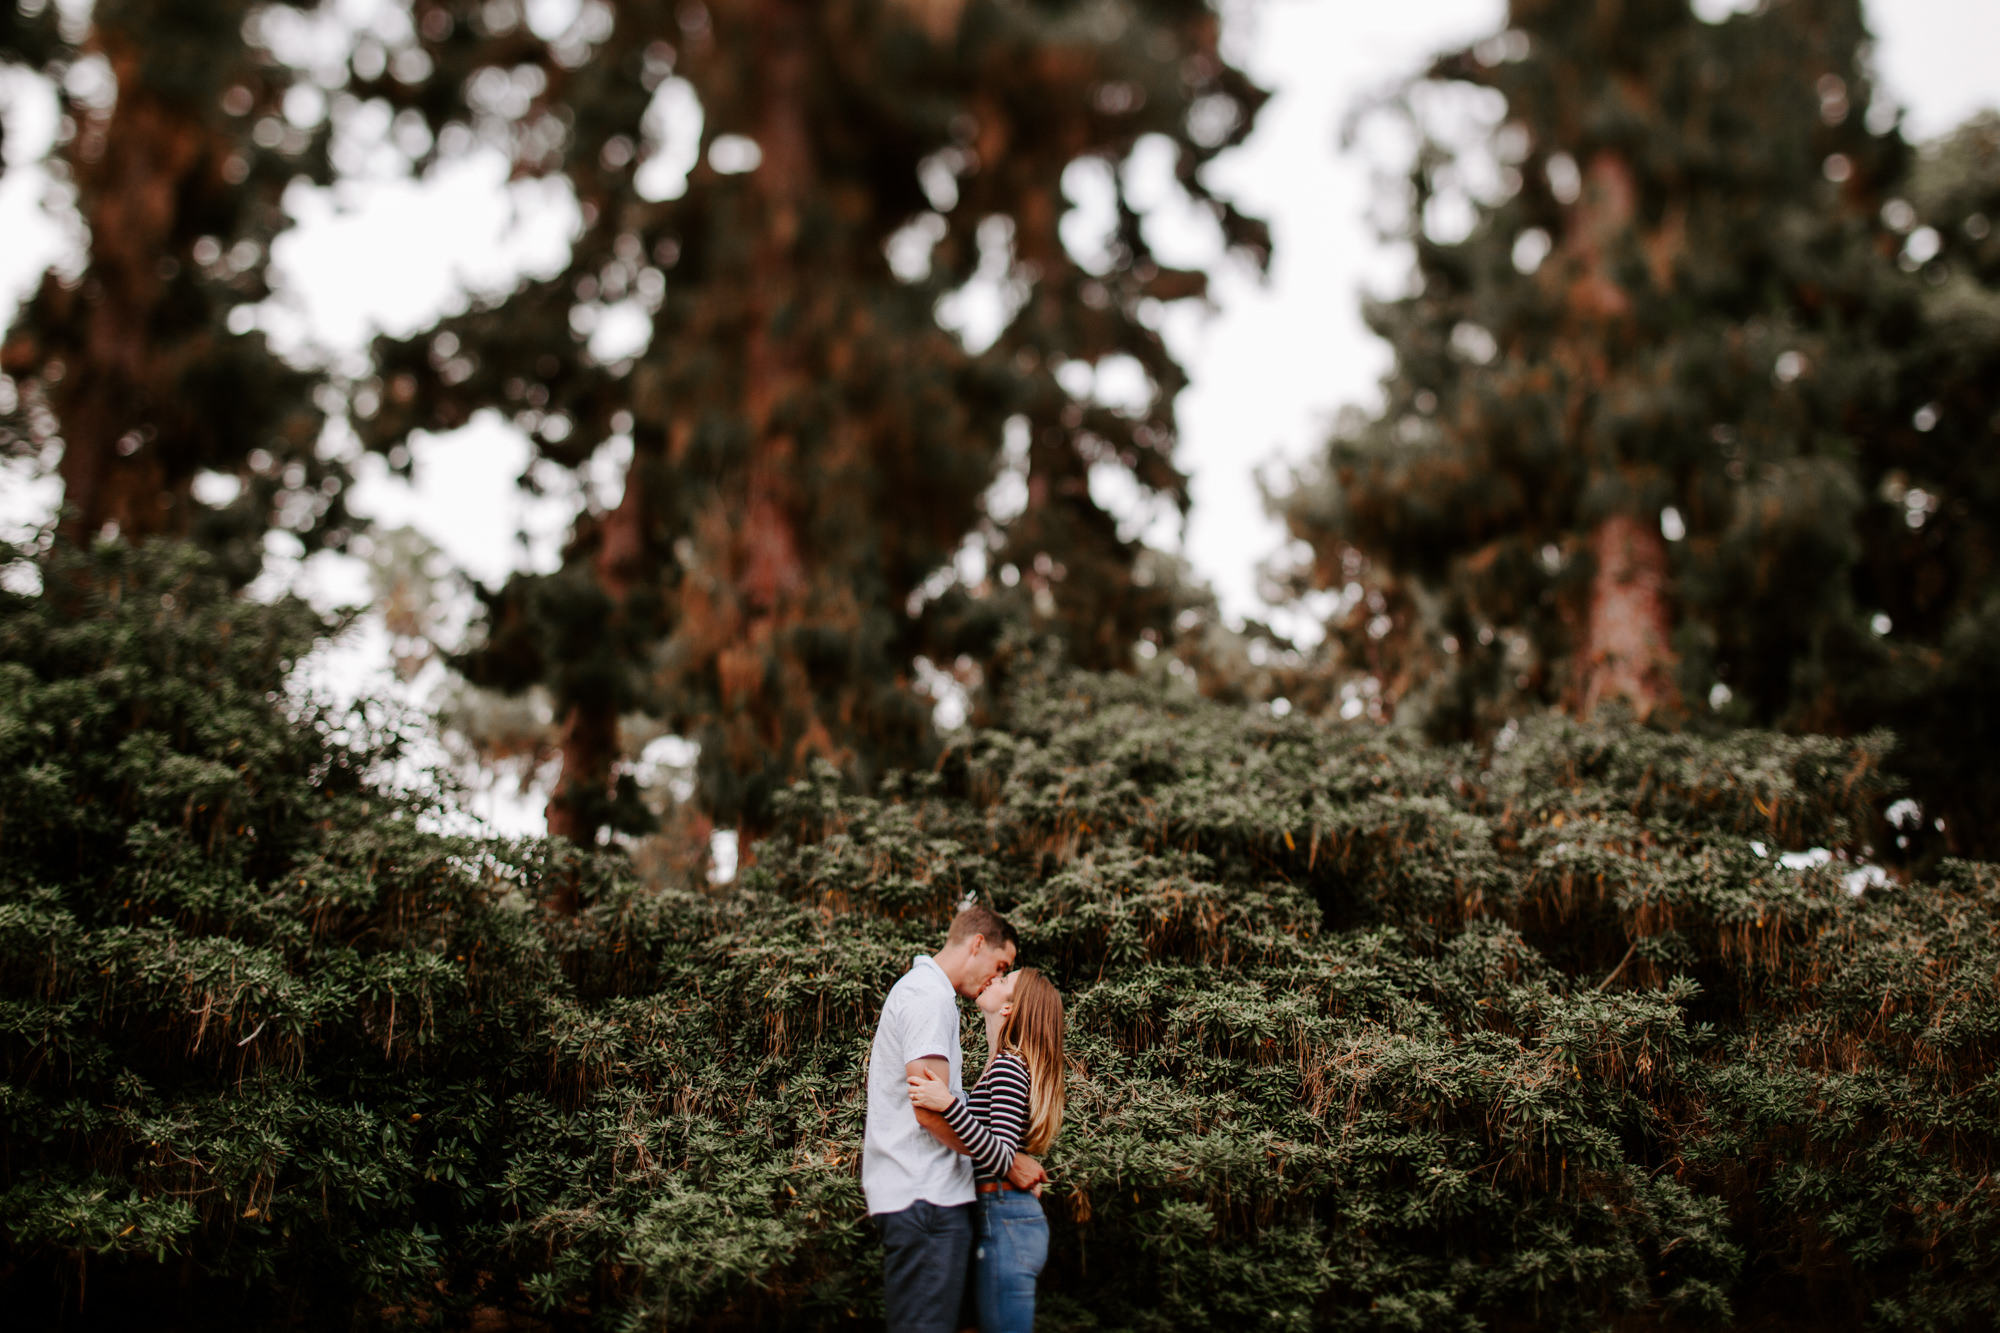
<point>987,963</point>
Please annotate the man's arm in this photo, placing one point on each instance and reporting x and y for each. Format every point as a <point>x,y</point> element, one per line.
<point>931,1120</point>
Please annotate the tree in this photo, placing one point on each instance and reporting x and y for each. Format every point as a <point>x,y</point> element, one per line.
<point>808,441</point>
<point>1643,409</point>
<point>177,140</point>
<point>1930,548</point>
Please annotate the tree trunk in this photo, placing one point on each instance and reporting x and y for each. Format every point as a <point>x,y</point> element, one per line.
<point>1628,640</point>
<point>589,749</point>
<point>135,173</point>
<point>589,741</point>
<point>1628,651</point>
<point>759,555</point>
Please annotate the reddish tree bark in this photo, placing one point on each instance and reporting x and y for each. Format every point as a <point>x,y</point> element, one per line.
<point>1628,636</point>
<point>589,746</point>
<point>1627,651</point>
<point>589,742</point>
<point>134,175</point>
<point>760,550</point>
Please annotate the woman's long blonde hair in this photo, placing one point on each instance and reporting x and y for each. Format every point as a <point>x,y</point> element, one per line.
<point>1034,1031</point>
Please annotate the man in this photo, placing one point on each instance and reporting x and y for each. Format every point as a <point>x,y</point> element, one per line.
<point>918,1183</point>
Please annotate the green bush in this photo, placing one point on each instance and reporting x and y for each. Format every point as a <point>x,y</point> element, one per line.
<point>1367,1034</point>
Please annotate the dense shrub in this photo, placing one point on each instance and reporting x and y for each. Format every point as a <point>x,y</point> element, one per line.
<point>1367,1034</point>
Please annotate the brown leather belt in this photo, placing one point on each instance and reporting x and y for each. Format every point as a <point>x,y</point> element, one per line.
<point>994,1187</point>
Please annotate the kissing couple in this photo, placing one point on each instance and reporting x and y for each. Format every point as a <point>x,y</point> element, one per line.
<point>951,1183</point>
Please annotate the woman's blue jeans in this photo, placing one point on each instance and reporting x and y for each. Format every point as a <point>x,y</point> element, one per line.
<point>1010,1243</point>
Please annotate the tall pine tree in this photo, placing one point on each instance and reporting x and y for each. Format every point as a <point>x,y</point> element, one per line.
<point>175,136</point>
<point>1651,429</point>
<point>808,442</point>
<point>1930,529</point>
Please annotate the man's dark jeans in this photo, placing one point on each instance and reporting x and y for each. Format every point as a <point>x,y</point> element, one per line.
<point>928,1249</point>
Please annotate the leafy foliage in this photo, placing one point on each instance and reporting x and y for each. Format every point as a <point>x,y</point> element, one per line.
<point>1367,1033</point>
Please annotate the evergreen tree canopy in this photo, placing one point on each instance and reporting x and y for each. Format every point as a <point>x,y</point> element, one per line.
<point>1698,410</point>
<point>808,441</point>
<point>177,140</point>
<point>1367,1033</point>
<point>1930,548</point>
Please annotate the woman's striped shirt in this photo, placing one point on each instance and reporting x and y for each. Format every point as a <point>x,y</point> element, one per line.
<point>992,1119</point>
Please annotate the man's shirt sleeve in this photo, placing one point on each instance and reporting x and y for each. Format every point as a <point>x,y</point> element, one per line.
<point>932,1030</point>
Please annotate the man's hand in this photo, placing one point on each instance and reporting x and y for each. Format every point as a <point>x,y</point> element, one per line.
<point>1026,1173</point>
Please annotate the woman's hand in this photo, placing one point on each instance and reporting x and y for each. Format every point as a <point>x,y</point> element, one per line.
<point>930,1092</point>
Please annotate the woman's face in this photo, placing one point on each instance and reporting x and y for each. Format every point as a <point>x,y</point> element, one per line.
<point>999,994</point>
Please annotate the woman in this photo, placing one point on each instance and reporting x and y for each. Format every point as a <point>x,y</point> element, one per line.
<point>1017,1104</point>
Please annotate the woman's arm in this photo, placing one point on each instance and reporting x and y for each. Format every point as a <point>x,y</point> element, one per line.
<point>948,1119</point>
<point>935,1107</point>
<point>929,1073</point>
<point>993,1119</point>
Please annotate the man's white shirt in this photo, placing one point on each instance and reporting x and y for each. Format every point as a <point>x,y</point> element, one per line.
<point>900,1162</point>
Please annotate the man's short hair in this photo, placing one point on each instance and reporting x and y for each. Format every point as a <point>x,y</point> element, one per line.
<point>982,921</point>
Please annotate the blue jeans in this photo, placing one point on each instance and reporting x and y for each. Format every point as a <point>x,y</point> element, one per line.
<point>1010,1245</point>
<point>925,1249</point>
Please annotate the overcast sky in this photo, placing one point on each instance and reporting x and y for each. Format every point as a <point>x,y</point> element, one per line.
<point>1271,361</point>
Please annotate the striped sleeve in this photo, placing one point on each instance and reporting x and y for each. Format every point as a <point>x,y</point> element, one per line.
<point>990,1157</point>
<point>993,1118</point>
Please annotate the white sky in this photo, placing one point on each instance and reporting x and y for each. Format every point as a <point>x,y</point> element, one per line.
<point>1270,364</point>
